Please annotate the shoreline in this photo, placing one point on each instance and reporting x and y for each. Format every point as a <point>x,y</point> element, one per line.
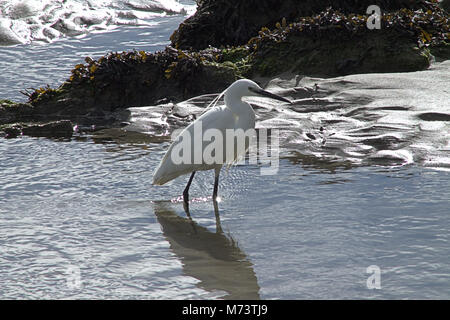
<point>99,91</point>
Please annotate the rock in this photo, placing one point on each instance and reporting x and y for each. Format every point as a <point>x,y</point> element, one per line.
<point>329,43</point>
<point>12,131</point>
<point>54,129</point>
<point>445,4</point>
<point>97,90</point>
<point>14,112</point>
<point>233,22</point>
<point>441,51</point>
<point>333,44</point>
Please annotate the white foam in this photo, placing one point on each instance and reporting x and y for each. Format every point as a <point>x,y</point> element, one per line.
<point>26,21</point>
<point>404,156</point>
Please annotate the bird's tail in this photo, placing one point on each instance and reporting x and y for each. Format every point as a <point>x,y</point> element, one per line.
<point>166,172</point>
<point>159,178</point>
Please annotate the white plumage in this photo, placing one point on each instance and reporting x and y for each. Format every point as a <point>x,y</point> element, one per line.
<point>234,115</point>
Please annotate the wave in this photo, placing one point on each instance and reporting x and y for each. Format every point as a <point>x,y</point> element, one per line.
<point>27,21</point>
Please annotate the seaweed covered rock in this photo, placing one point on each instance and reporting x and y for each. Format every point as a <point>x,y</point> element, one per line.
<point>99,89</point>
<point>233,22</point>
<point>332,43</point>
<point>329,43</point>
<point>52,129</point>
<point>13,112</point>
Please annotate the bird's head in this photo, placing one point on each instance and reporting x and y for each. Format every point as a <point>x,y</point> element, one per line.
<point>248,88</point>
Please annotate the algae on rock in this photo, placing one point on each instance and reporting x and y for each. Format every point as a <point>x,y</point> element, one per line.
<point>328,42</point>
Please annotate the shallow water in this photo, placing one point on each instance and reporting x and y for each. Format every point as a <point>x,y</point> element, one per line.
<point>79,218</point>
<point>308,232</point>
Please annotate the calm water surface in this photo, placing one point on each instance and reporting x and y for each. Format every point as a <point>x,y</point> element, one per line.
<point>80,219</point>
<point>308,232</point>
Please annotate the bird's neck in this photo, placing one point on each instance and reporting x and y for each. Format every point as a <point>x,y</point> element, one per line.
<point>236,105</point>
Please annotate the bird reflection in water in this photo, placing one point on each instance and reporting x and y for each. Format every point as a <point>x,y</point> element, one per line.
<point>211,257</point>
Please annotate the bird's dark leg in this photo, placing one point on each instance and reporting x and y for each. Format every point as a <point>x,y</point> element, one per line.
<point>186,190</point>
<point>216,212</point>
<point>216,183</point>
<point>216,187</point>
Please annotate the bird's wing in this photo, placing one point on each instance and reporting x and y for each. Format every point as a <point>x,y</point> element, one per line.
<point>219,118</point>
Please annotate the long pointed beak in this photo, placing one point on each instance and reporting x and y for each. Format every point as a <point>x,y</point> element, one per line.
<point>270,95</point>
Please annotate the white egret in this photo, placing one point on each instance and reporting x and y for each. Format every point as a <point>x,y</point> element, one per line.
<point>235,114</point>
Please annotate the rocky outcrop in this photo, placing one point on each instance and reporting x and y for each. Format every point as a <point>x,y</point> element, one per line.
<point>332,44</point>
<point>233,22</point>
<point>329,43</point>
<point>54,129</point>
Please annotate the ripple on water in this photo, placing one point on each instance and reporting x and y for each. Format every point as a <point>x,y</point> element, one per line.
<point>310,231</point>
<point>62,208</point>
